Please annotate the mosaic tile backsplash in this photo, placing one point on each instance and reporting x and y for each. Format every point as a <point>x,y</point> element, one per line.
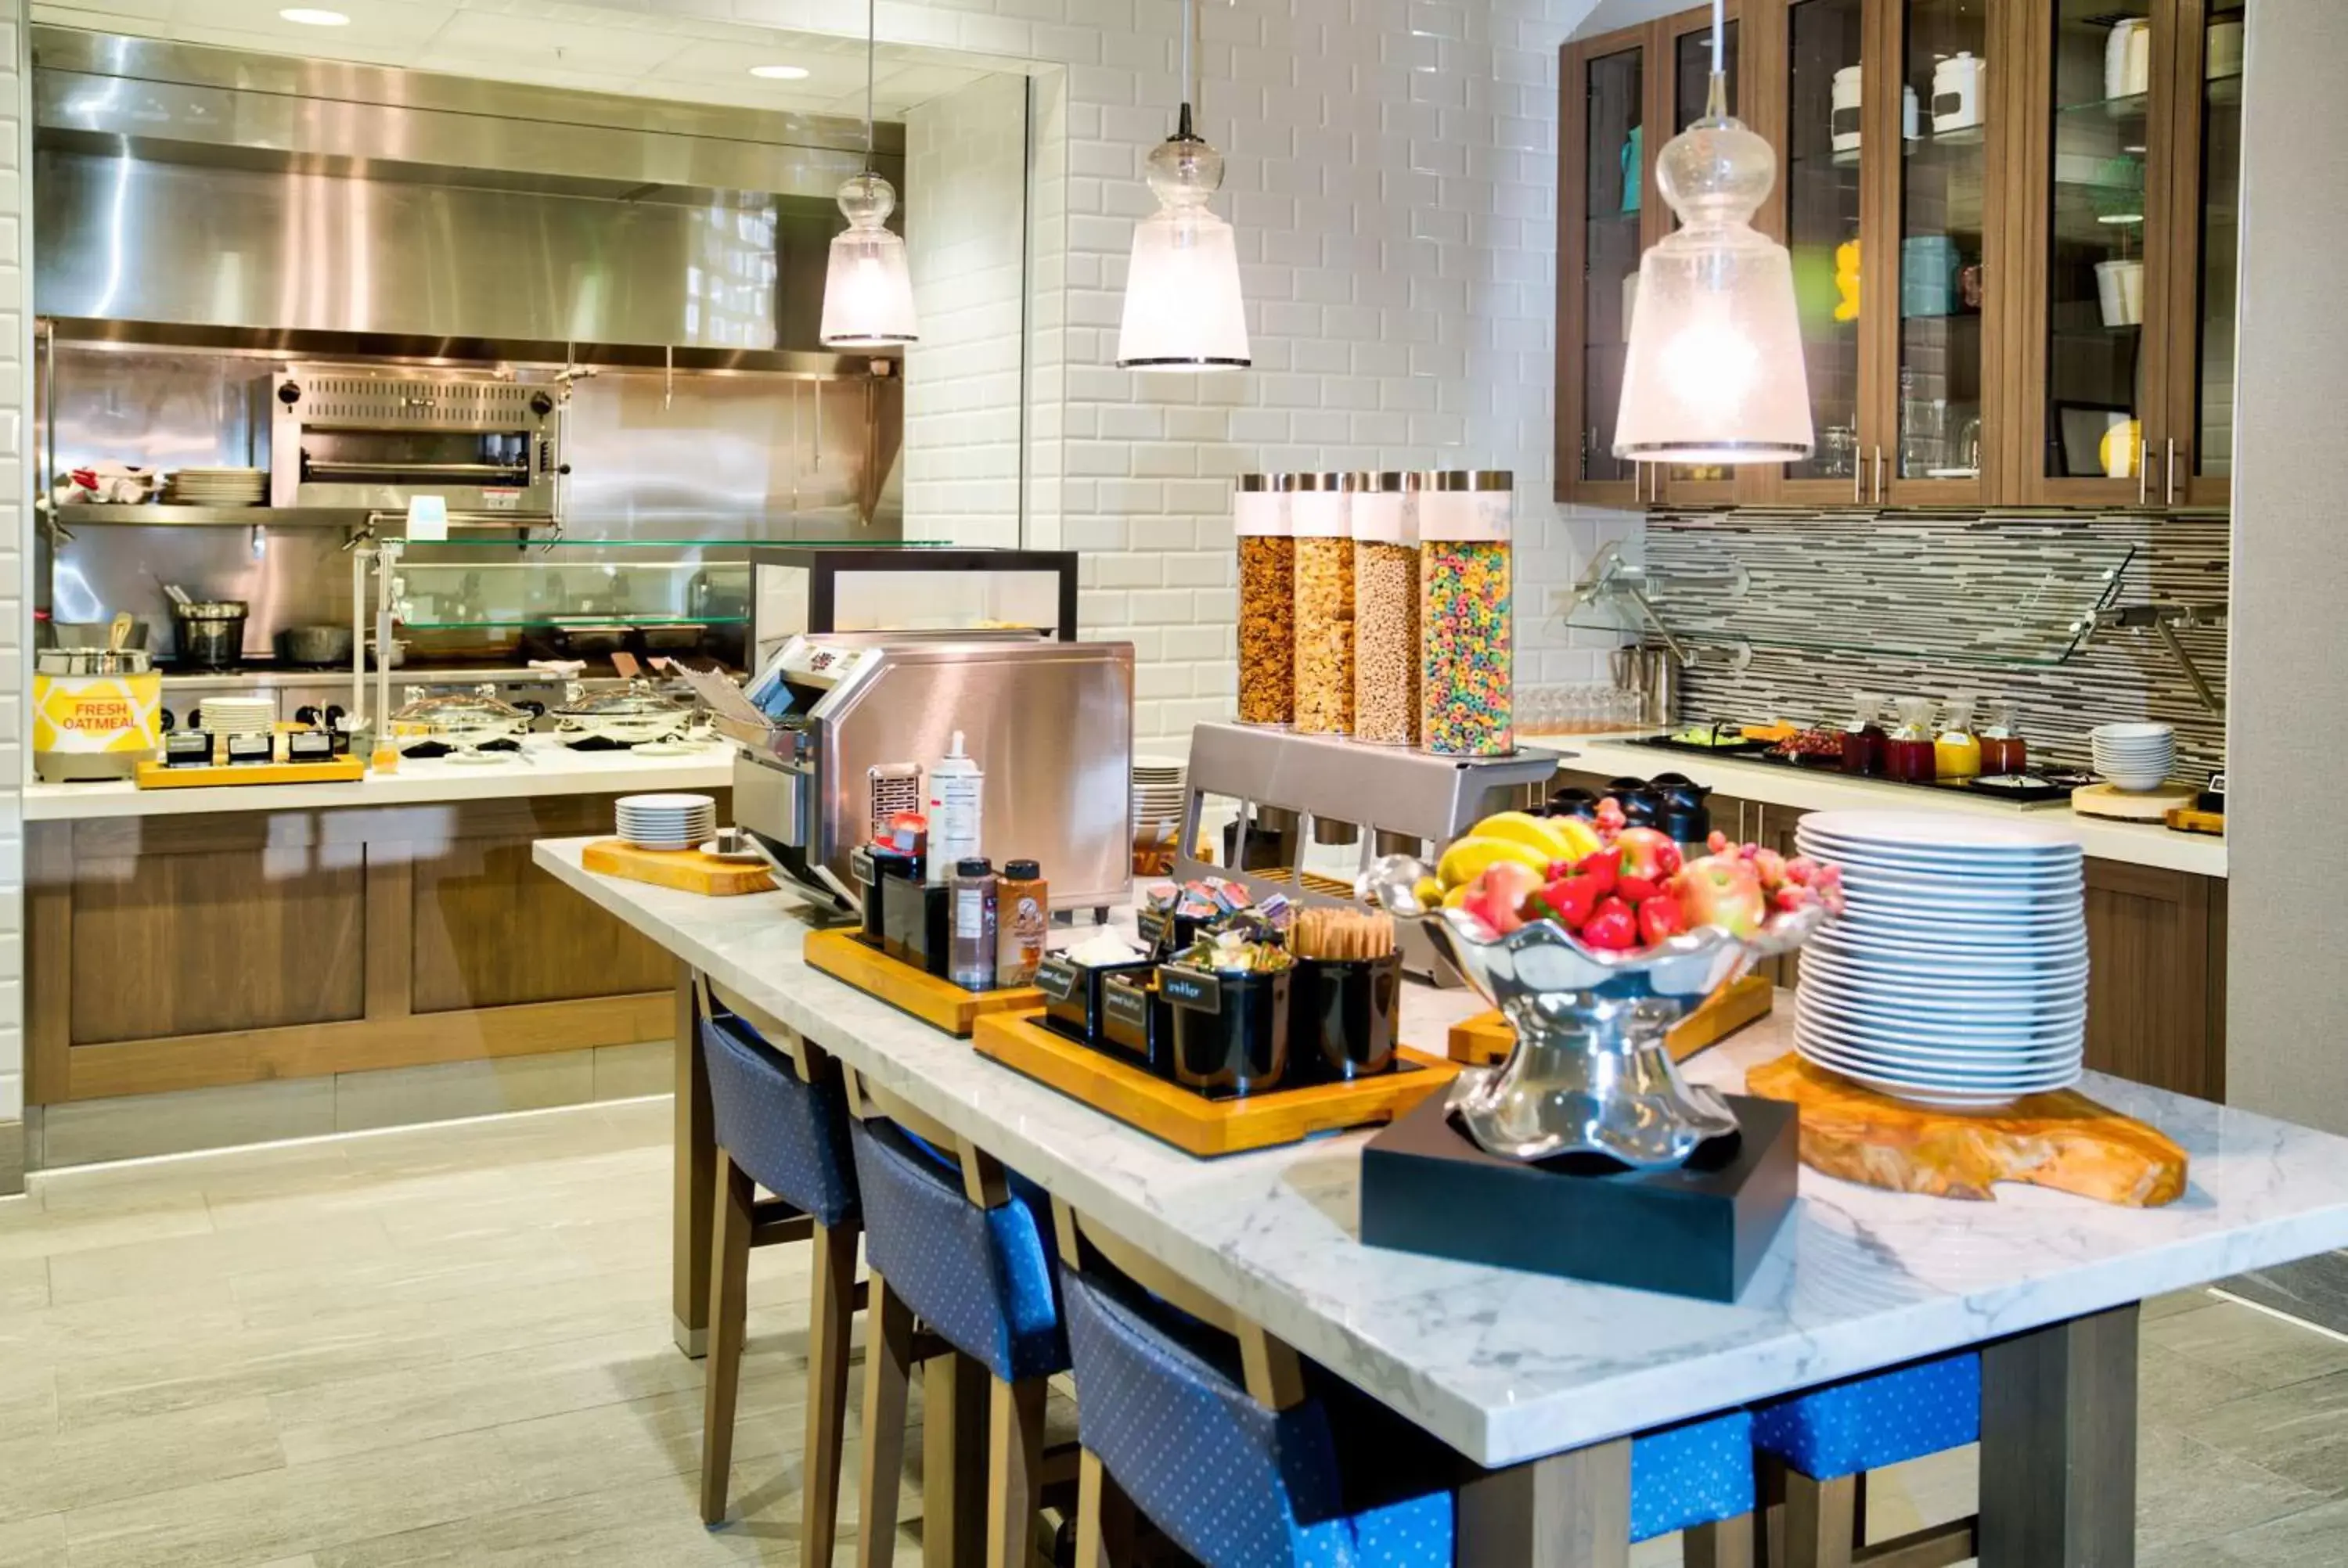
<point>1975,602</point>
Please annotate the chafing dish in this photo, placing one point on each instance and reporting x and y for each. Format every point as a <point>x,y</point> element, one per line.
<point>465,720</point>
<point>635,714</point>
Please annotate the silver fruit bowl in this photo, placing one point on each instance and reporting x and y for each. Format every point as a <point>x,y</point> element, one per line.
<point>1592,1072</point>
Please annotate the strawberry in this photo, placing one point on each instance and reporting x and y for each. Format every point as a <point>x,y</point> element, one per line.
<point>1791,897</point>
<point>1637,890</point>
<point>1800,869</point>
<point>1604,866</point>
<point>1612,926</point>
<point>1660,918</point>
<point>1567,900</point>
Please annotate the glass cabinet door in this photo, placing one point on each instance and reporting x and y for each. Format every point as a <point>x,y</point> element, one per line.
<point>1687,45</point>
<point>2196,456</point>
<point>1820,142</point>
<point>1607,193</point>
<point>1940,240</point>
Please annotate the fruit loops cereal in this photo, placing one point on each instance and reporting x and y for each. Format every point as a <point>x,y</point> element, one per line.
<point>1465,705</point>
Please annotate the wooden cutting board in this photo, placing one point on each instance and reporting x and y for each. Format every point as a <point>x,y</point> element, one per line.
<point>1487,1038</point>
<point>688,869</point>
<point>2064,1140</point>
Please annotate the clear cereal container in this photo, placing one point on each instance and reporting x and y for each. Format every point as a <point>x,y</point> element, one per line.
<point>1267,630</point>
<point>1319,510</point>
<point>1385,611</point>
<point>1465,521</point>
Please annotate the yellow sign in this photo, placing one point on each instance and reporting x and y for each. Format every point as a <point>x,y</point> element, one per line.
<point>96,713</point>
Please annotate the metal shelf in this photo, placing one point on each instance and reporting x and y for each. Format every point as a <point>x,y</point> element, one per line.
<point>77,514</point>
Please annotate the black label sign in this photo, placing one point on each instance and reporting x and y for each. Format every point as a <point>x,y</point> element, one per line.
<point>309,746</point>
<point>1193,988</point>
<point>250,748</point>
<point>1058,978</point>
<point>1123,1002</point>
<point>1155,929</point>
<point>860,865</point>
<point>187,748</point>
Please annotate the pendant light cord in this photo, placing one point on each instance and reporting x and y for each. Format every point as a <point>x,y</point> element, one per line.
<point>871,41</point>
<point>1719,28</point>
<point>1182,131</point>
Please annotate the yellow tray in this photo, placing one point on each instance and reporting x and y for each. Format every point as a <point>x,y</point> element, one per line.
<point>941,1004</point>
<point>342,769</point>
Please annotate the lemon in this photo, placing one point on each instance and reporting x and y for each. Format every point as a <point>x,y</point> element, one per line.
<point>1466,859</point>
<point>1563,838</point>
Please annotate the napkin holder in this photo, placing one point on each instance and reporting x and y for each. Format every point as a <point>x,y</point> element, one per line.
<point>1699,1229</point>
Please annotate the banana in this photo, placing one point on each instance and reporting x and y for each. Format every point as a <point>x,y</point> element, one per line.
<point>1563,838</point>
<point>1465,860</point>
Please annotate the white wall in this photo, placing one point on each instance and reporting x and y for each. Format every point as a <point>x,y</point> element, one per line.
<point>16,400</point>
<point>2287,948</point>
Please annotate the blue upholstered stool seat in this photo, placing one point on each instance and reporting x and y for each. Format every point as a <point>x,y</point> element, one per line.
<point>984,1279</point>
<point>1337,1480</point>
<point>1881,1418</point>
<point>790,1136</point>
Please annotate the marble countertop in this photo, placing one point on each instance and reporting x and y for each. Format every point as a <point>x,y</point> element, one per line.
<point>545,767</point>
<point>1507,1366</point>
<point>2138,844</point>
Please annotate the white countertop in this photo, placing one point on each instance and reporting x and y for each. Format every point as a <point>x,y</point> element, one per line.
<point>544,767</point>
<point>1507,1366</point>
<point>1804,789</point>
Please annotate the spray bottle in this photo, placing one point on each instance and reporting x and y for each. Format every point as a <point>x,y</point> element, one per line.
<point>956,784</point>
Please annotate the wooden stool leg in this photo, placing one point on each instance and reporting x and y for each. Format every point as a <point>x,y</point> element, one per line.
<point>729,1281</point>
<point>1015,1444</point>
<point>1818,1520</point>
<point>831,1308</point>
<point>1725,1543</point>
<point>954,1401</point>
<point>888,1367</point>
<point>1106,1530</point>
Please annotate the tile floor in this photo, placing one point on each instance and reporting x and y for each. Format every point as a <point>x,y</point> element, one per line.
<point>450,1344</point>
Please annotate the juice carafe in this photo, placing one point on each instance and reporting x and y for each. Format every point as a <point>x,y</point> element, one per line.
<point>2002,747</point>
<point>1956,755</point>
<point>1908,753</point>
<point>1862,738</point>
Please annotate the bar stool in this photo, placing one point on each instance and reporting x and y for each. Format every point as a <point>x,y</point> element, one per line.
<point>964,1248</point>
<point>1817,1447</point>
<point>1243,1453</point>
<point>781,1118</point>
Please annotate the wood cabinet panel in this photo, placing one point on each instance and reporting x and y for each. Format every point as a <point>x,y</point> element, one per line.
<point>2156,983</point>
<point>225,938</point>
<point>491,929</point>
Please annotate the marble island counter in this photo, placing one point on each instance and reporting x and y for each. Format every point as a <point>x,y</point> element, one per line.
<point>1508,1367</point>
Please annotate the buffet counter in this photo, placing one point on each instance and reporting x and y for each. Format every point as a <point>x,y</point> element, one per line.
<point>1812,789</point>
<point>1511,1368</point>
<point>545,766</point>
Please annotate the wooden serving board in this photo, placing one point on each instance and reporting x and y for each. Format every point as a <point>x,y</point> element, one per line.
<point>2062,1140</point>
<point>1193,1123</point>
<point>2193,819</point>
<point>1487,1038</point>
<point>2129,804</point>
<point>941,1004</point>
<point>688,869</point>
<point>342,769</point>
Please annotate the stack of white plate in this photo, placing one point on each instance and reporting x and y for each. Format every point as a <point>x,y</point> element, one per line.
<point>239,715</point>
<point>1160,792</point>
<point>2134,756</point>
<point>667,821</point>
<point>216,487</point>
<point>1957,974</point>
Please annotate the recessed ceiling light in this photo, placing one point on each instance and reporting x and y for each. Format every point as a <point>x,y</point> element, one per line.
<point>780,73</point>
<point>309,17</point>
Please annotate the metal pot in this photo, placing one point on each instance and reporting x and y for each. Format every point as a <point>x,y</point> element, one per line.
<point>398,655</point>
<point>93,633</point>
<point>315,645</point>
<point>210,632</point>
<point>98,660</point>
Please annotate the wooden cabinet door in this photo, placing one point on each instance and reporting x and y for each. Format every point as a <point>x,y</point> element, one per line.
<point>2155,976</point>
<point>1606,213</point>
<point>2097,248</point>
<point>2195,464</point>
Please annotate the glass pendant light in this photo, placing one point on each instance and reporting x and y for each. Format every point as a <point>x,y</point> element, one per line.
<point>1182,287</point>
<point>868,290</point>
<point>1714,372</point>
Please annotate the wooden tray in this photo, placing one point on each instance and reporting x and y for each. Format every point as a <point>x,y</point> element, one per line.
<point>1487,1038</point>
<point>2062,1140</point>
<point>342,769</point>
<point>846,955</point>
<point>689,869</point>
<point>1193,1123</point>
<point>2130,806</point>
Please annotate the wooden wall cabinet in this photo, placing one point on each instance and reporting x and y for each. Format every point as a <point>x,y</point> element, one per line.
<point>2012,226</point>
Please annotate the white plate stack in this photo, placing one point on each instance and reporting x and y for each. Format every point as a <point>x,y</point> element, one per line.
<point>1160,794</point>
<point>2134,756</point>
<point>1958,974</point>
<point>667,821</point>
<point>216,487</point>
<point>238,715</point>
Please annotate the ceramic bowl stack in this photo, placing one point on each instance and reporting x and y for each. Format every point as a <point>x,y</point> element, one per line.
<point>667,821</point>
<point>239,715</point>
<point>216,487</point>
<point>1160,792</point>
<point>1958,974</point>
<point>2134,756</point>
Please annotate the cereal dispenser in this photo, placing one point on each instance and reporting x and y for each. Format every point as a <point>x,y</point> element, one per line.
<point>1385,612</point>
<point>1465,519</point>
<point>1267,630</point>
<point>1319,513</point>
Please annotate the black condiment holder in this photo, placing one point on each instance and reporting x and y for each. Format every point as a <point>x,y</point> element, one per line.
<point>914,927</point>
<point>1072,995</point>
<point>1136,1023</point>
<point>1231,1031</point>
<point>1343,1017</point>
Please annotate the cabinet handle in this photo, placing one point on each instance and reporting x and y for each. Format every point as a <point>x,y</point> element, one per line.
<point>1858,482</point>
<point>2143,468</point>
<point>1878,476</point>
<point>2169,475</point>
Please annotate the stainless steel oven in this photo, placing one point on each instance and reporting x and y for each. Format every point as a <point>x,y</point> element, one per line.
<point>378,437</point>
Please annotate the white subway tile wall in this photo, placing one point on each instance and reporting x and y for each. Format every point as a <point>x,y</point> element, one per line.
<point>15,396</point>
<point>1392,179</point>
